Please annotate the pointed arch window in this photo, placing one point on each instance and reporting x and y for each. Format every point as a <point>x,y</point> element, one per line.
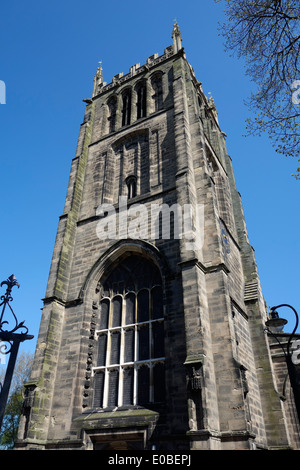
<point>130,364</point>
<point>157,92</point>
<point>141,100</point>
<point>131,186</point>
<point>126,110</point>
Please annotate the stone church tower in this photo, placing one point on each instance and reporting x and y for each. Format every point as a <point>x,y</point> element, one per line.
<point>152,332</point>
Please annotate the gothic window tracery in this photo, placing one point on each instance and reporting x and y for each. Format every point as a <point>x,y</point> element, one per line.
<point>130,363</point>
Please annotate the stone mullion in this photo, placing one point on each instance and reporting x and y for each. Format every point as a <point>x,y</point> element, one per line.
<point>122,351</point>
<point>107,361</point>
<point>135,357</point>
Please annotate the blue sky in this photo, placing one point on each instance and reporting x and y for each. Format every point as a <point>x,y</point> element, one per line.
<point>48,57</point>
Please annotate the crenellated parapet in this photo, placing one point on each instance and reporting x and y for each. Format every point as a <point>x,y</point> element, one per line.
<point>134,70</point>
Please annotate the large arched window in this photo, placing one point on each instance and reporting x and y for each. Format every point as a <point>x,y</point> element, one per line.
<point>130,362</point>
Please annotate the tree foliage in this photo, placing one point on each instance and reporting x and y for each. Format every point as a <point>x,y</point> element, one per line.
<point>14,405</point>
<point>266,34</point>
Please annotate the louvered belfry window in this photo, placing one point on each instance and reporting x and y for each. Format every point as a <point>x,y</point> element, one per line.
<point>126,110</point>
<point>141,101</point>
<point>130,361</point>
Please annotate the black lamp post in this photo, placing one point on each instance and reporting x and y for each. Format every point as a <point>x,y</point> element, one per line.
<point>13,337</point>
<point>276,321</point>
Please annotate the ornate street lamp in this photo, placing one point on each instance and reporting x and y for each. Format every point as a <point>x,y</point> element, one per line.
<point>13,337</point>
<point>274,322</point>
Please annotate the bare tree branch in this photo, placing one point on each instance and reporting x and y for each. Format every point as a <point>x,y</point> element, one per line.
<point>266,33</point>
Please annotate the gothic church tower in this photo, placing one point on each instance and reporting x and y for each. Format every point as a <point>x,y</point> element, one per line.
<point>152,332</point>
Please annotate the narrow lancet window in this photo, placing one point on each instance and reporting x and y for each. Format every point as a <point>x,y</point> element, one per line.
<point>131,187</point>
<point>112,114</point>
<point>141,101</point>
<point>157,92</point>
<point>126,110</point>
